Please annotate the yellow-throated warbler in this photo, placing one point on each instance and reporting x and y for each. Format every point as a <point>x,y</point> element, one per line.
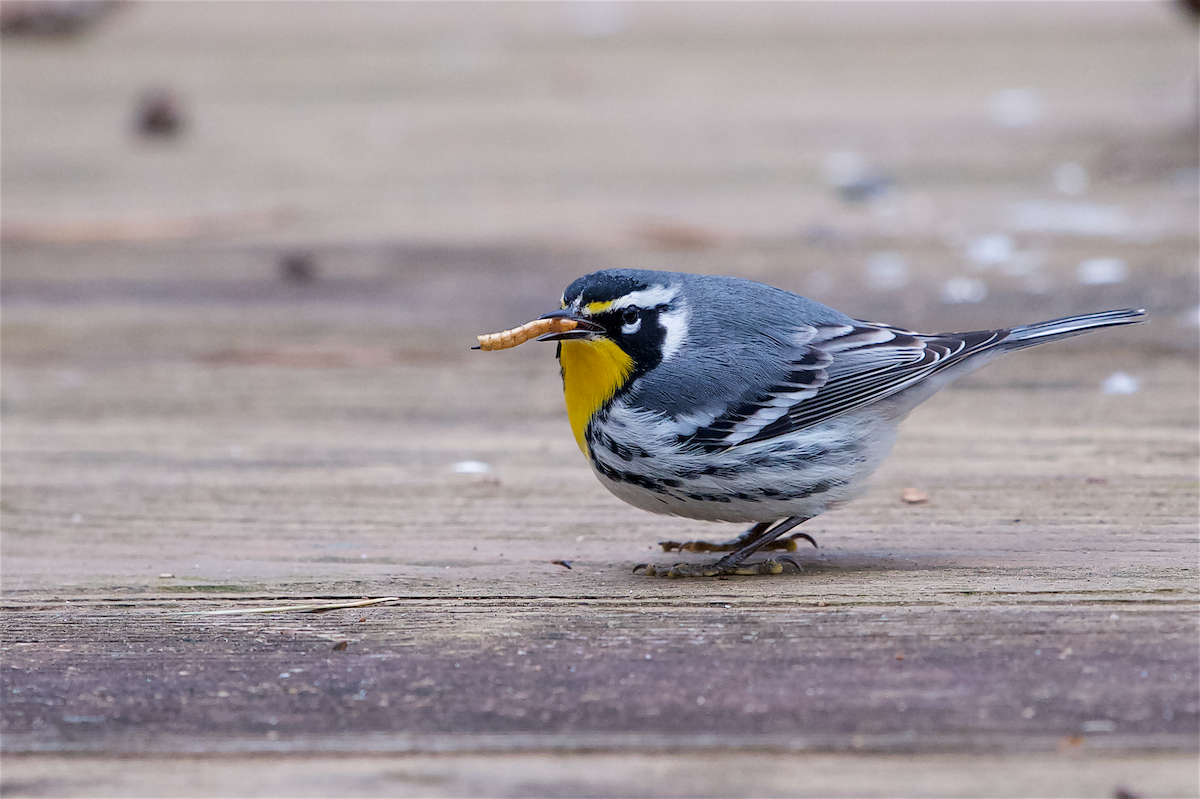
<point>723,399</point>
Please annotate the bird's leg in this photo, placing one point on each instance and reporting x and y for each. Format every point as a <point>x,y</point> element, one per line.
<point>757,537</point>
<point>734,544</point>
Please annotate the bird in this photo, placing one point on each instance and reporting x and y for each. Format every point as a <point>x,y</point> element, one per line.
<point>723,399</point>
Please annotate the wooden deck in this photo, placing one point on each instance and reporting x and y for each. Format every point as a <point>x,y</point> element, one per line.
<point>186,429</point>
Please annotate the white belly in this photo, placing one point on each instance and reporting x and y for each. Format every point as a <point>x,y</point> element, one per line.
<point>637,457</point>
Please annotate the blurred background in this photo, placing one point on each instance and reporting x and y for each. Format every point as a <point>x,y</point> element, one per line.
<point>924,164</point>
<point>246,249</point>
<point>229,228</point>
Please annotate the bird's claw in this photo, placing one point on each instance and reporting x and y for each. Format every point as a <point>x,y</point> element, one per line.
<point>791,539</point>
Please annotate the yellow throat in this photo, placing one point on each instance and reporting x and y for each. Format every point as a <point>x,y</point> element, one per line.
<point>592,371</point>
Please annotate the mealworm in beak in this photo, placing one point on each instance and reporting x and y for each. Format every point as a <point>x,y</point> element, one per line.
<point>519,335</point>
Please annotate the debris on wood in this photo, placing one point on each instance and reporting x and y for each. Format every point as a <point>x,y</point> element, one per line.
<point>159,114</point>
<point>914,496</point>
<point>1070,744</point>
<point>675,235</point>
<point>298,267</point>
<point>56,19</point>
<point>321,608</point>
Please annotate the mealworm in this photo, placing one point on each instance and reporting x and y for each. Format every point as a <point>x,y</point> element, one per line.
<point>519,335</point>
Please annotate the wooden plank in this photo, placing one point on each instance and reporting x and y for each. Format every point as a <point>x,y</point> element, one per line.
<point>189,429</point>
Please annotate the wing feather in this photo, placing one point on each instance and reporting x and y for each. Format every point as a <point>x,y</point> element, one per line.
<point>839,370</point>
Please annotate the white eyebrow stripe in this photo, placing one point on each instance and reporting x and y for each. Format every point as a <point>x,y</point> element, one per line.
<point>675,323</point>
<point>647,298</point>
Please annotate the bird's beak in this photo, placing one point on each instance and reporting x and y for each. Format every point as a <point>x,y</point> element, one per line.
<point>551,327</point>
<point>584,327</point>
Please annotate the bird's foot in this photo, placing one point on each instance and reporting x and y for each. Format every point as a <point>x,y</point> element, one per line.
<point>697,546</point>
<point>719,569</point>
<point>783,544</point>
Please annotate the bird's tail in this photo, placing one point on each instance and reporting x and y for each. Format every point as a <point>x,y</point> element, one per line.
<point>1042,332</point>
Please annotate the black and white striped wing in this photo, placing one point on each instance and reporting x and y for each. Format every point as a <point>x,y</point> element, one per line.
<point>801,379</point>
<point>842,368</point>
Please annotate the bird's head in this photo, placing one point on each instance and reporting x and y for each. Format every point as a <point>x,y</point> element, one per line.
<point>624,322</point>
<point>640,313</point>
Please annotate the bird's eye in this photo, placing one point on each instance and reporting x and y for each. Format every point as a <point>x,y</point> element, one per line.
<point>631,321</point>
